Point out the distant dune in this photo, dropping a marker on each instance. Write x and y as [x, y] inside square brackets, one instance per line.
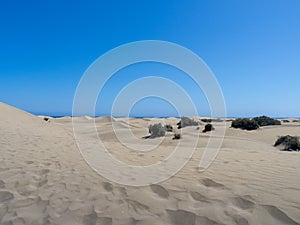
[45, 180]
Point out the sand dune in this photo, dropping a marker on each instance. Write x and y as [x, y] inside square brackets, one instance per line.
[104, 119]
[45, 180]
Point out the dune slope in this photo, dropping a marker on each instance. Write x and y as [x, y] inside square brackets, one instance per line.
[44, 179]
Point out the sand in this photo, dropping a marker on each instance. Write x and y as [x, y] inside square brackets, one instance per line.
[45, 180]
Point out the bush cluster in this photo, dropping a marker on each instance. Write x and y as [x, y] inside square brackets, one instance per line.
[176, 136]
[157, 130]
[185, 121]
[212, 120]
[206, 120]
[208, 127]
[266, 121]
[245, 124]
[168, 128]
[289, 143]
[255, 123]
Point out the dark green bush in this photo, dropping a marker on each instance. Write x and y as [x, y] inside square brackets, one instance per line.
[157, 130]
[168, 128]
[212, 120]
[208, 127]
[266, 121]
[185, 121]
[253, 124]
[218, 120]
[285, 121]
[177, 136]
[289, 143]
[206, 120]
[245, 124]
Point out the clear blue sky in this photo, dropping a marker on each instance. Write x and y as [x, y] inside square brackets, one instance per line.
[253, 48]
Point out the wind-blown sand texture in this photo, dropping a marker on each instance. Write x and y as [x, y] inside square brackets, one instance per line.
[44, 179]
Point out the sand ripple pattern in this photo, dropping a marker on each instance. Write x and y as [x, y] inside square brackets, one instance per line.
[44, 180]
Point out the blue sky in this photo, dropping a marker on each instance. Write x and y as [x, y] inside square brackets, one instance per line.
[252, 47]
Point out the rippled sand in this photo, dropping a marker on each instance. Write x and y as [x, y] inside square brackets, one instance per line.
[44, 179]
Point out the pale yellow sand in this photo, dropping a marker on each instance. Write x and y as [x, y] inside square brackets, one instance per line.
[44, 179]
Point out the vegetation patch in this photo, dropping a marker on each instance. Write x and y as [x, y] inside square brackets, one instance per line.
[288, 143]
[177, 136]
[168, 128]
[212, 120]
[245, 124]
[157, 130]
[255, 123]
[266, 121]
[185, 121]
[206, 120]
[208, 127]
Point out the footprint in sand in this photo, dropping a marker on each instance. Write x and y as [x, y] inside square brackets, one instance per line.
[26, 190]
[279, 215]
[122, 191]
[181, 217]
[92, 219]
[6, 196]
[2, 184]
[26, 202]
[240, 220]
[104, 221]
[242, 203]
[198, 197]
[42, 182]
[159, 190]
[132, 221]
[47, 164]
[205, 220]
[108, 186]
[17, 221]
[212, 184]
[44, 171]
[138, 207]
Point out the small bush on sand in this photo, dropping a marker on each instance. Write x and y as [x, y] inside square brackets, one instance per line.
[206, 120]
[185, 121]
[212, 120]
[46, 119]
[288, 143]
[177, 136]
[208, 127]
[218, 120]
[157, 130]
[285, 121]
[266, 121]
[168, 128]
[245, 124]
